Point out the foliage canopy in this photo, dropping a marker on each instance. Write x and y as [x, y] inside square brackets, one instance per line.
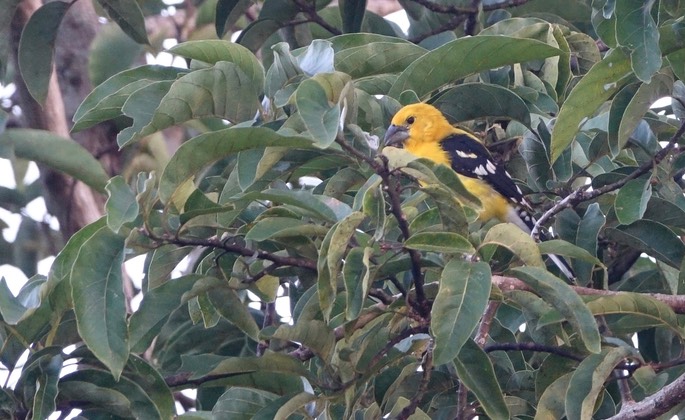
[402, 303]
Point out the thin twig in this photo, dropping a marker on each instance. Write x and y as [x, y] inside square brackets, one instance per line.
[392, 189]
[311, 12]
[528, 346]
[581, 195]
[486, 322]
[675, 302]
[236, 249]
[423, 385]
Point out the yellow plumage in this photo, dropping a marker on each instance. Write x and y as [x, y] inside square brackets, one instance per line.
[425, 132]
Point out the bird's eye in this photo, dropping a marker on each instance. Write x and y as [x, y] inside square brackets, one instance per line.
[410, 120]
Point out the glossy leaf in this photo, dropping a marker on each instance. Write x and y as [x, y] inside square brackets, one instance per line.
[154, 310]
[208, 148]
[128, 16]
[459, 304]
[476, 100]
[632, 199]
[636, 30]
[652, 238]
[476, 372]
[376, 58]
[446, 63]
[320, 118]
[97, 291]
[560, 295]
[64, 155]
[91, 109]
[121, 205]
[587, 382]
[447, 242]
[36, 47]
[223, 90]
[517, 241]
[602, 81]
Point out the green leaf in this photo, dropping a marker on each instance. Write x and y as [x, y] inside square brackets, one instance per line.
[46, 386]
[10, 308]
[121, 205]
[517, 241]
[36, 47]
[638, 104]
[458, 307]
[650, 311]
[470, 101]
[567, 249]
[154, 311]
[602, 81]
[195, 154]
[241, 403]
[62, 154]
[476, 372]
[357, 279]
[141, 372]
[140, 106]
[352, 12]
[227, 14]
[269, 362]
[319, 117]
[272, 226]
[223, 90]
[551, 403]
[562, 297]
[333, 249]
[376, 58]
[446, 63]
[636, 30]
[289, 409]
[313, 334]
[588, 381]
[163, 262]
[632, 199]
[652, 238]
[314, 205]
[120, 397]
[128, 16]
[229, 306]
[447, 242]
[99, 300]
[211, 51]
[90, 111]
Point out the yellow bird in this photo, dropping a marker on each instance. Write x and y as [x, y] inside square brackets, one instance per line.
[425, 132]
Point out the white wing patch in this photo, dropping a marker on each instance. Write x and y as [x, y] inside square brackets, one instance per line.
[480, 170]
[465, 155]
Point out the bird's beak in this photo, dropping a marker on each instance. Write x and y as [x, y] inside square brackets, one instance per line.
[396, 135]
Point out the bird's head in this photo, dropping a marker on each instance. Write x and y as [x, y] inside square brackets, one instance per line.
[418, 122]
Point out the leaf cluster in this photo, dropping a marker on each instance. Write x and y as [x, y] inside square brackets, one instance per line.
[294, 268]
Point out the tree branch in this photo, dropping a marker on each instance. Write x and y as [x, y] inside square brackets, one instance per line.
[529, 346]
[581, 195]
[314, 17]
[656, 404]
[675, 302]
[236, 249]
[392, 189]
[423, 385]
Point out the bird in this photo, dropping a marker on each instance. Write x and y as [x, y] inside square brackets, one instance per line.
[425, 132]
